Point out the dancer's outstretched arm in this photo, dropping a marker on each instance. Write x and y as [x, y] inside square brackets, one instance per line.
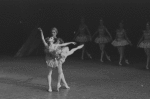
[140, 40]
[88, 31]
[43, 37]
[95, 33]
[65, 44]
[108, 33]
[127, 37]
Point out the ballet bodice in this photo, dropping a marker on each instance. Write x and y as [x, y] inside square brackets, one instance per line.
[120, 33]
[101, 31]
[50, 52]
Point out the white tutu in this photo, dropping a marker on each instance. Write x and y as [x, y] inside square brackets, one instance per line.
[120, 42]
[82, 38]
[102, 40]
[145, 44]
[52, 62]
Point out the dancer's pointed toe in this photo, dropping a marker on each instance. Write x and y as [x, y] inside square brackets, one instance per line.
[58, 87]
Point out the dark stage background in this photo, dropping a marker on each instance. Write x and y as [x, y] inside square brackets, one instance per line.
[19, 17]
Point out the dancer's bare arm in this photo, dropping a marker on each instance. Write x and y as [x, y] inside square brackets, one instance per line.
[108, 33]
[65, 44]
[127, 38]
[95, 33]
[140, 40]
[88, 31]
[43, 37]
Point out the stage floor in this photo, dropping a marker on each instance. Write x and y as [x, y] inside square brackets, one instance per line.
[26, 78]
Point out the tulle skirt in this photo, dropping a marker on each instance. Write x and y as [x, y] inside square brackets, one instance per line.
[120, 42]
[64, 54]
[145, 44]
[52, 62]
[82, 38]
[102, 40]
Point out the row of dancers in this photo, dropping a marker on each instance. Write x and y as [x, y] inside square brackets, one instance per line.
[57, 51]
[121, 40]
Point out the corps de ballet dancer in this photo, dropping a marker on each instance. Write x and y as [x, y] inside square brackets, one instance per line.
[103, 38]
[83, 38]
[55, 58]
[120, 42]
[145, 43]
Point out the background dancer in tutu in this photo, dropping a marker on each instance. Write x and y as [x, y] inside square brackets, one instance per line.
[146, 43]
[56, 59]
[82, 37]
[120, 42]
[103, 38]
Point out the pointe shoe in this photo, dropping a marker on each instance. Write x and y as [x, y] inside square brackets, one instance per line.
[89, 56]
[81, 46]
[147, 67]
[58, 86]
[127, 62]
[101, 60]
[120, 63]
[108, 57]
[67, 87]
[49, 90]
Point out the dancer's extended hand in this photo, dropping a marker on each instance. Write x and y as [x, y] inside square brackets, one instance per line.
[74, 43]
[40, 29]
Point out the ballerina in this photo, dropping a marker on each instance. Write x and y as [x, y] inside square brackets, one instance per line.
[146, 43]
[55, 59]
[83, 38]
[103, 39]
[120, 42]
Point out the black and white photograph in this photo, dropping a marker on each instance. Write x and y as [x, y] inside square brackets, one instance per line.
[74, 49]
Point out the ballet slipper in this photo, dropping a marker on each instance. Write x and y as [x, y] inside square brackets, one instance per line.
[108, 57]
[89, 56]
[58, 86]
[81, 46]
[49, 90]
[127, 62]
[147, 67]
[82, 58]
[66, 86]
[101, 60]
[120, 63]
